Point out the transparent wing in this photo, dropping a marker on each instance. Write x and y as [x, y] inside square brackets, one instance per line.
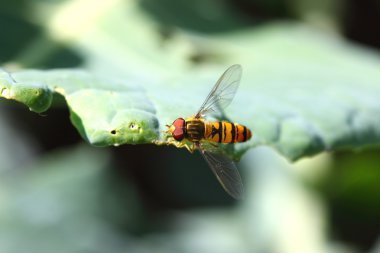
[223, 91]
[226, 172]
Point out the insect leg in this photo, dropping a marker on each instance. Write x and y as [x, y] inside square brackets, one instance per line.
[193, 147]
[190, 148]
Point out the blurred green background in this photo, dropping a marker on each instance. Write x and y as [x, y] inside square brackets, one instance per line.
[59, 194]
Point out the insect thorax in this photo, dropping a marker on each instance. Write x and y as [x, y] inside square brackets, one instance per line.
[195, 129]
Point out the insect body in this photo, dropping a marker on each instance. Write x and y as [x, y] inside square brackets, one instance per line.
[226, 132]
[196, 129]
[199, 131]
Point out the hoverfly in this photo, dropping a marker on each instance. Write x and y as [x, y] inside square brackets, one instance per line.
[199, 132]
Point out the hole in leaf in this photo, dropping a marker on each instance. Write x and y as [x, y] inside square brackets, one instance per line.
[4, 92]
[113, 132]
[133, 126]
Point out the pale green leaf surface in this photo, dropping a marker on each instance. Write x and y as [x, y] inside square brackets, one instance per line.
[301, 93]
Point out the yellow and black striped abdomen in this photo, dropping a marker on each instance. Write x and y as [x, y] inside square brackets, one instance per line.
[226, 132]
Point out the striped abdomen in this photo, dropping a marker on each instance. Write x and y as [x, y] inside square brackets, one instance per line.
[226, 132]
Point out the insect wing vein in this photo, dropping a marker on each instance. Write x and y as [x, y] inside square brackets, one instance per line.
[226, 172]
[223, 91]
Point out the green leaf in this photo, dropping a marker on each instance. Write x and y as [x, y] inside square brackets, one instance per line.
[105, 111]
[36, 95]
[301, 93]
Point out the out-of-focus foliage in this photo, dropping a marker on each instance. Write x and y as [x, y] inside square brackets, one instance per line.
[354, 195]
[305, 89]
[60, 199]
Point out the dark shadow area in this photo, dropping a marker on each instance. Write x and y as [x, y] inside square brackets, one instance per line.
[170, 178]
[52, 128]
[361, 22]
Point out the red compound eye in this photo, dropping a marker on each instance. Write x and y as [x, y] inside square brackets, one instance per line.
[179, 131]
